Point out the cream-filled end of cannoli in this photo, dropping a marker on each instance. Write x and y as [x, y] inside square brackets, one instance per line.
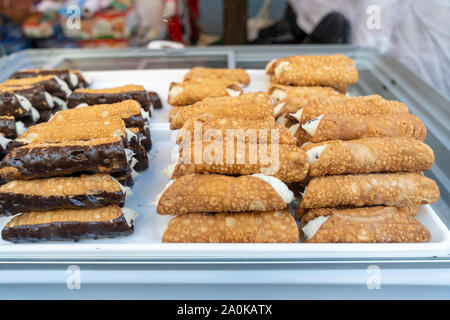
[282, 120]
[168, 171]
[284, 65]
[145, 115]
[298, 115]
[278, 108]
[279, 186]
[4, 141]
[63, 86]
[49, 99]
[73, 79]
[130, 216]
[26, 105]
[159, 195]
[279, 95]
[20, 128]
[81, 105]
[314, 153]
[174, 92]
[233, 93]
[63, 105]
[311, 228]
[294, 128]
[125, 190]
[311, 126]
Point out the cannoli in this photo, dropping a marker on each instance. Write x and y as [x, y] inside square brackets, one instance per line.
[246, 111]
[369, 225]
[8, 127]
[189, 92]
[107, 222]
[125, 178]
[241, 227]
[389, 189]
[39, 98]
[219, 193]
[285, 162]
[83, 80]
[332, 126]
[52, 84]
[368, 155]
[280, 92]
[336, 71]
[239, 75]
[155, 100]
[42, 160]
[86, 191]
[71, 78]
[254, 131]
[16, 105]
[110, 95]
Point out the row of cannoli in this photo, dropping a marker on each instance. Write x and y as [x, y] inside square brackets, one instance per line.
[365, 154]
[69, 177]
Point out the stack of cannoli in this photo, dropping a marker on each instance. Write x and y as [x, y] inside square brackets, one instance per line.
[68, 178]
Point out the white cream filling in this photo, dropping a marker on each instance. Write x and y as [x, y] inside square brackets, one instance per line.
[73, 79]
[49, 99]
[311, 126]
[130, 215]
[134, 174]
[283, 65]
[63, 86]
[4, 141]
[125, 190]
[294, 128]
[129, 153]
[314, 153]
[304, 192]
[20, 128]
[233, 93]
[311, 228]
[159, 195]
[81, 105]
[133, 162]
[61, 103]
[168, 171]
[174, 92]
[130, 135]
[282, 120]
[279, 95]
[280, 187]
[86, 78]
[145, 115]
[298, 115]
[278, 108]
[270, 64]
[24, 102]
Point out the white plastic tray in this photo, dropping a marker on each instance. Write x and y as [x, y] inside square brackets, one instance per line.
[146, 244]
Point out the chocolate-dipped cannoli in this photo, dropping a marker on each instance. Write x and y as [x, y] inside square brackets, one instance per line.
[52, 84]
[189, 92]
[66, 224]
[66, 75]
[332, 126]
[83, 80]
[250, 111]
[336, 71]
[280, 92]
[390, 189]
[86, 191]
[110, 95]
[42, 160]
[241, 227]
[254, 131]
[8, 127]
[142, 138]
[39, 98]
[16, 105]
[155, 100]
[219, 193]
[368, 225]
[285, 162]
[125, 178]
[239, 75]
[368, 155]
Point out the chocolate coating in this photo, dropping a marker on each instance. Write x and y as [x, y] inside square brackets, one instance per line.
[155, 100]
[77, 98]
[8, 127]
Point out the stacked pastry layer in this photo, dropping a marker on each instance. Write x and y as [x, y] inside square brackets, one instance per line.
[68, 178]
[366, 154]
[228, 183]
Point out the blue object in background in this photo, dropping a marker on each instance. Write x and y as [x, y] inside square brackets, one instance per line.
[12, 37]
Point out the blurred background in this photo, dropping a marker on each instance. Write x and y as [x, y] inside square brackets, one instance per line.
[416, 32]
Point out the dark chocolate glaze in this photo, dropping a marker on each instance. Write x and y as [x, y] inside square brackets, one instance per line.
[106, 98]
[155, 100]
[12, 203]
[125, 178]
[10, 106]
[70, 230]
[60, 160]
[8, 127]
[36, 95]
[51, 86]
[61, 73]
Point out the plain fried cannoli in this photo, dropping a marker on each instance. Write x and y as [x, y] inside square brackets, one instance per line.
[255, 131]
[239, 75]
[285, 162]
[235, 112]
[280, 92]
[189, 92]
[219, 193]
[52, 84]
[390, 189]
[109, 96]
[241, 227]
[86, 191]
[368, 155]
[369, 225]
[70, 77]
[336, 71]
[66, 224]
[332, 126]
[42, 160]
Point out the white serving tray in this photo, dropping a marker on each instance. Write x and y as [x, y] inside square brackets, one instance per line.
[145, 243]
